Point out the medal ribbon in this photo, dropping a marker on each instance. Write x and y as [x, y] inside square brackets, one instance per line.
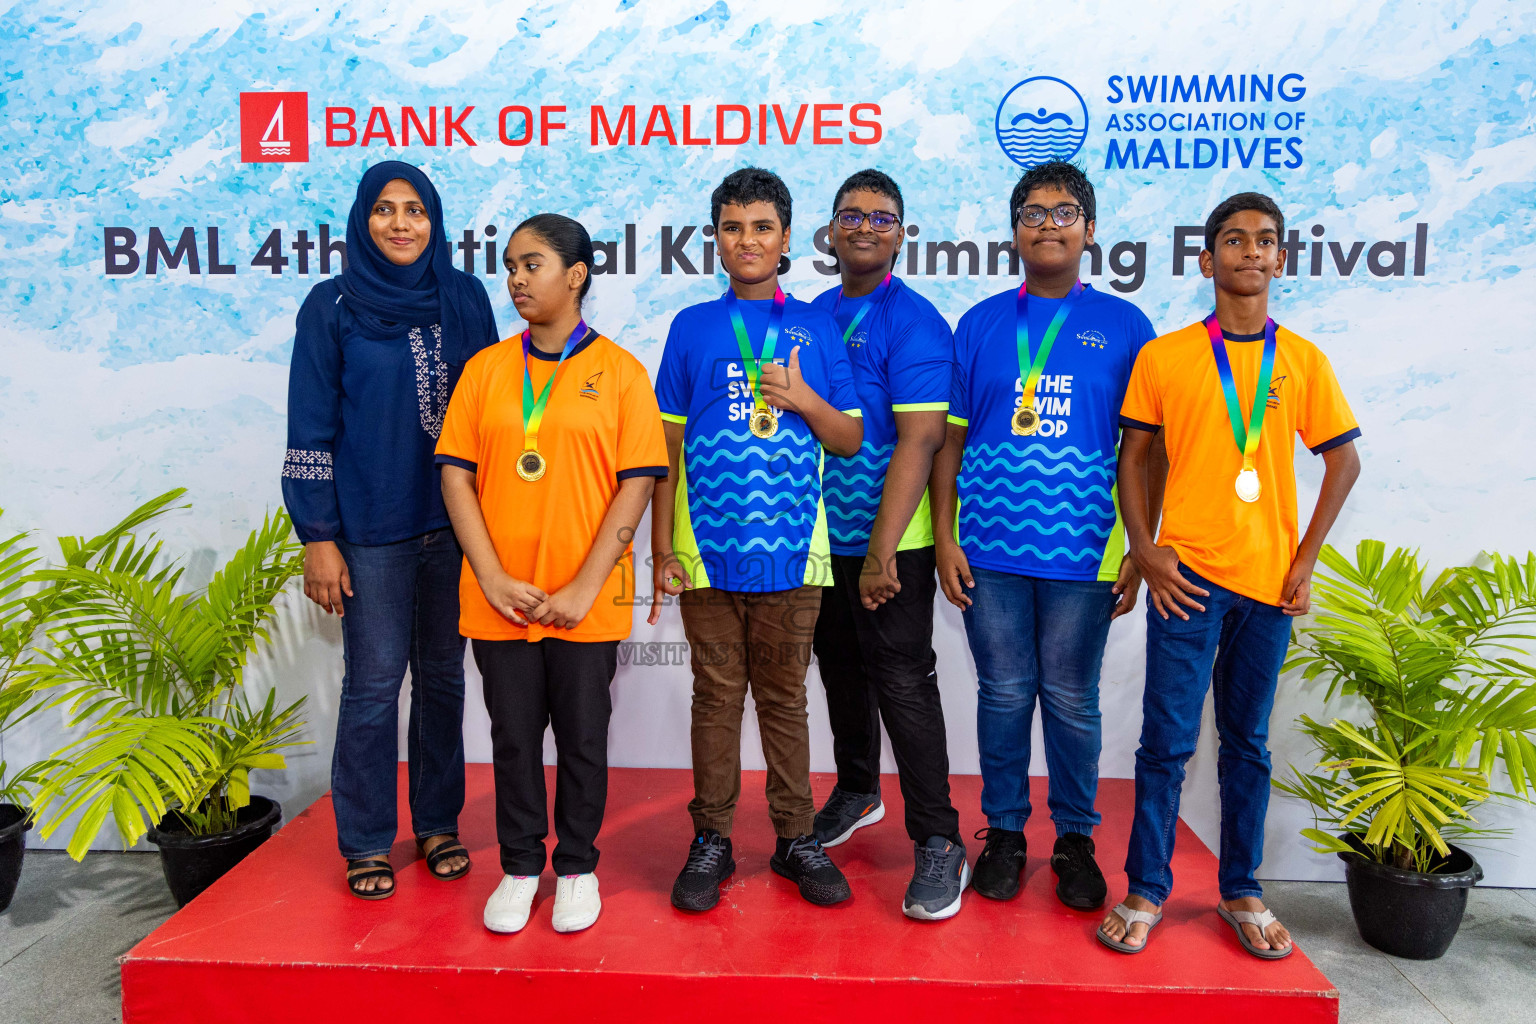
[1030, 369]
[1247, 440]
[858, 317]
[751, 364]
[533, 409]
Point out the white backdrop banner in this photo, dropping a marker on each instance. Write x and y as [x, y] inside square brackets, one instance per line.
[178, 174]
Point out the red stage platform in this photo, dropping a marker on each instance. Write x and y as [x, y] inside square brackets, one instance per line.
[280, 939]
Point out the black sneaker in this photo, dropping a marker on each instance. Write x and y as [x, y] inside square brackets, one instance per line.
[1079, 882]
[941, 876]
[804, 862]
[709, 864]
[846, 812]
[1000, 865]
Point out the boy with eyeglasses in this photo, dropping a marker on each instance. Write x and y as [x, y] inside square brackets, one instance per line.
[1226, 574]
[753, 387]
[1035, 559]
[874, 637]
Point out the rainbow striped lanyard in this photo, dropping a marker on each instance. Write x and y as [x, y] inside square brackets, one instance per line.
[1247, 440]
[533, 408]
[869, 304]
[752, 364]
[1030, 369]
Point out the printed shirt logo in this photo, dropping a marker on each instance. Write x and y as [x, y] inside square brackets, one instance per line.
[796, 336]
[589, 389]
[274, 127]
[1041, 119]
[1092, 338]
[1273, 399]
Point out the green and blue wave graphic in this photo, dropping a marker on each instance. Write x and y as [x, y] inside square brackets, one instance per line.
[1034, 500]
[853, 487]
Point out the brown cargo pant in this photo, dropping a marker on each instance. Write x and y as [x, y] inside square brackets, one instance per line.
[738, 640]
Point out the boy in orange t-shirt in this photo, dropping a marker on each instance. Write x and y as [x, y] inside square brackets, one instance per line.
[1226, 574]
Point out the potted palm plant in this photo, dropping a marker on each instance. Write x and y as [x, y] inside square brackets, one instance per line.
[156, 675]
[1441, 673]
[27, 607]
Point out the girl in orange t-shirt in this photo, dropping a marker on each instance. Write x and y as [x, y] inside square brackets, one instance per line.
[549, 452]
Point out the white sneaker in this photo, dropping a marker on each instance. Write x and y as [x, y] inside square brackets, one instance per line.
[576, 902]
[509, 906]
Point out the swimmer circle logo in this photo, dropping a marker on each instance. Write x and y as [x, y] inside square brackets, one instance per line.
[1041, 119]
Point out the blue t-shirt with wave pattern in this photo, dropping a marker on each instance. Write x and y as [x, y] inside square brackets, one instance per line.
[902, 354]
[749, 514]
[1044, 505]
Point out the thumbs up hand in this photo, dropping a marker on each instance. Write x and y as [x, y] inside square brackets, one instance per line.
[784, 387]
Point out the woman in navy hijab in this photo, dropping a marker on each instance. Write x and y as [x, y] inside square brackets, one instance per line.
[375, 358]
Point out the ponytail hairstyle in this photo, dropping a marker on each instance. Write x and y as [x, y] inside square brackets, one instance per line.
[568, 239]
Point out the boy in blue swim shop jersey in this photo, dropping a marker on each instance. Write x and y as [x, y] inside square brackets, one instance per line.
[752, 387]
[874, 638]
[1035, 559]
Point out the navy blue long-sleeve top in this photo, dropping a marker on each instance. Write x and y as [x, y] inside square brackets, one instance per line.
[366, 399]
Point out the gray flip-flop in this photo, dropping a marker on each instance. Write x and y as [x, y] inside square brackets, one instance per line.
[1130, 917]
[1261, 921]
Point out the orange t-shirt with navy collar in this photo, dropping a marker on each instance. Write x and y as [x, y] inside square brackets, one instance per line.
[601, 426]
[1245, 547]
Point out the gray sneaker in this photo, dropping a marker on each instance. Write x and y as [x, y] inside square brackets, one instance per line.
[845, 813]
[941, 876]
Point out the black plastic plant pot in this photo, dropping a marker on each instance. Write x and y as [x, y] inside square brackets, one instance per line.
[14, 822]
[1409, 913]
[193, 863]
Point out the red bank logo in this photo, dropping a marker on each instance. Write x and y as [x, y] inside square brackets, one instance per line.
[274, 127]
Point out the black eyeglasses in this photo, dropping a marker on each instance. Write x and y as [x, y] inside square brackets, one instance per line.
[849, 220]
[1033, 216]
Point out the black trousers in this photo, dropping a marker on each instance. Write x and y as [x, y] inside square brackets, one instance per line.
[880, 665]
[530, 685]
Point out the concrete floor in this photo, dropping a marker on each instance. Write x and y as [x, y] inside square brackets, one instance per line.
[63, 933]
[61, 937]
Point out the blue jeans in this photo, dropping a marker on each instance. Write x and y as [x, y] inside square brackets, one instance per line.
[1037, 638]
[1237, 646]
[404, 612]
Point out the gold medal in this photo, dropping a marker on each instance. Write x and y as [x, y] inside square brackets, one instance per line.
[764, 422]
[531, 465]
[1247, 485]
[1025, 420]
